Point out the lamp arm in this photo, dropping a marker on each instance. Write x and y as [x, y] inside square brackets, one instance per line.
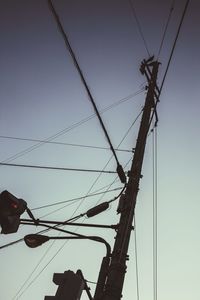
[76, 236]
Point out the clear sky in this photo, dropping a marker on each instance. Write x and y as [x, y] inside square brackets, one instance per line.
[41, 96]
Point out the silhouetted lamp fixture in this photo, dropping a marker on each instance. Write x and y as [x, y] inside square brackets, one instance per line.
[35, 240]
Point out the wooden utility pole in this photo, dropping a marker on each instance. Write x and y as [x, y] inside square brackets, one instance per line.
[114, 279]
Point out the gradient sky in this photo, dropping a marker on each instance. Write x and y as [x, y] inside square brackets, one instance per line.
[41, 95]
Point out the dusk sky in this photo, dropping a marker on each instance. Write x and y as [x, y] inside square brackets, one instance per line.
[43, 98]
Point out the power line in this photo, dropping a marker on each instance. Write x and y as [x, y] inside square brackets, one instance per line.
[136, 260]
[155, 209]
[58, 209]
[67, 43]
[59, 143]
[166, 27]
[55, 168]
[48, 140]
[75, 199]
[174, 44]
[139, 26]
[11, 243]
[71, 127]
[52, 258]
[18, 294]
[35, 268]
[170, 57]
[72, 202]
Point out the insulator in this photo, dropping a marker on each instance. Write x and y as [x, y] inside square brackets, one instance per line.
[97, 209]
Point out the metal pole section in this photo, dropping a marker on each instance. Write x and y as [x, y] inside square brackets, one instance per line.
[117, 268]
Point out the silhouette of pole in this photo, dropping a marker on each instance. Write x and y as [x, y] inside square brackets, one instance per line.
[114, 278]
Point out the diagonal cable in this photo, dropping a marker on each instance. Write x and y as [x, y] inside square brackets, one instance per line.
[69, 128]
[139, 26]
[170, 57]
[174, 44]
[67, 43]
[55, 168]
[74, 199]
[166, 27]
[58, 143]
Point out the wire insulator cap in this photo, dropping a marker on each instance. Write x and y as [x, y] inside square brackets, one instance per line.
[97, 209]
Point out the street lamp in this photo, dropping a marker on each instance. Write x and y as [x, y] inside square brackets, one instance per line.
[35, 240]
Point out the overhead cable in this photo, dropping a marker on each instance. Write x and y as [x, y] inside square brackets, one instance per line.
[170, 57]
[55, 168]
[74, 199]
[71, 203]
[21, 291]
[174, 44]
[69, 128]
[166, 27]
[136, 259]
[11, 243]
[120, 171]
[60, 208]
[59, 143]
[139, 26]
[35, 268]
[155, 213]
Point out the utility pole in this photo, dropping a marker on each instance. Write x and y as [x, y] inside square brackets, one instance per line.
[113, 284]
